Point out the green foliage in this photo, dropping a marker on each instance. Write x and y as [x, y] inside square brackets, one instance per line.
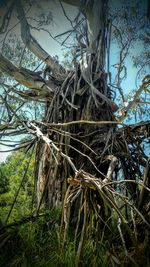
[37, 244]
[45, 18]
[11, 174]
[4, 182]
[15, 51]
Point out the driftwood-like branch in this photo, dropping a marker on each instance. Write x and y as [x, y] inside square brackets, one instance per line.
[32, 44]
[51, 145]
[26, 77]
[9, 126]
[95, 91]
[85, 122]
[87, 180]
[112, 165]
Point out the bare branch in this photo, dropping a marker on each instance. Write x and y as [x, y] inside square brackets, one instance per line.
[6, 18]
[111, 168]
[32, 44]
[26, 77]
[81, 122]
[144, 86]
[51, 145]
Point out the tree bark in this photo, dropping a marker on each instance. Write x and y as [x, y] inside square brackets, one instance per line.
[91, 105]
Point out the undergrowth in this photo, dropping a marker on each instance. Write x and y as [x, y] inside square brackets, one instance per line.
[38, 244]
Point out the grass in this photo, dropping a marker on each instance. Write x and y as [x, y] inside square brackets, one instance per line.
[37, 244]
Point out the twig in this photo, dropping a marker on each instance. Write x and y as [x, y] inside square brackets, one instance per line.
[85, 122]
[121, 235]
[80, 246]
[50, 143]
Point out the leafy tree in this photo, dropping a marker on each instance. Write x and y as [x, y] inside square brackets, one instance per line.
[17, 173]
[87, 160]
[4, 183]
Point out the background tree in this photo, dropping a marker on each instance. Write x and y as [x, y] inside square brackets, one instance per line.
[17, 186]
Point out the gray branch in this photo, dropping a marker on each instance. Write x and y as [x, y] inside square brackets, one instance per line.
[26, 77]
[32, 44]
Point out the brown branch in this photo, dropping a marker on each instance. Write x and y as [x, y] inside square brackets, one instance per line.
[89, 181]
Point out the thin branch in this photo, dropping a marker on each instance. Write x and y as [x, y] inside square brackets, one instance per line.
[125, 111]
[85, 122]
[50, 143]
[6, 18]
[111, 168]
[65, 14]
[33, 45]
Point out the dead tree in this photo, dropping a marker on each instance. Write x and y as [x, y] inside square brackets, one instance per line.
[81, 153]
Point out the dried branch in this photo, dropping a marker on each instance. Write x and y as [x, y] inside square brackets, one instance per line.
[32, 44]
[26, 77]
[84, 122]
[80, 246]
[122, 238]
[111, 168]
[87, 77]
[89, 181]
[51, 145]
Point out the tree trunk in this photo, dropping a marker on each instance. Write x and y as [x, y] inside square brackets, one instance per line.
[83, 96]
